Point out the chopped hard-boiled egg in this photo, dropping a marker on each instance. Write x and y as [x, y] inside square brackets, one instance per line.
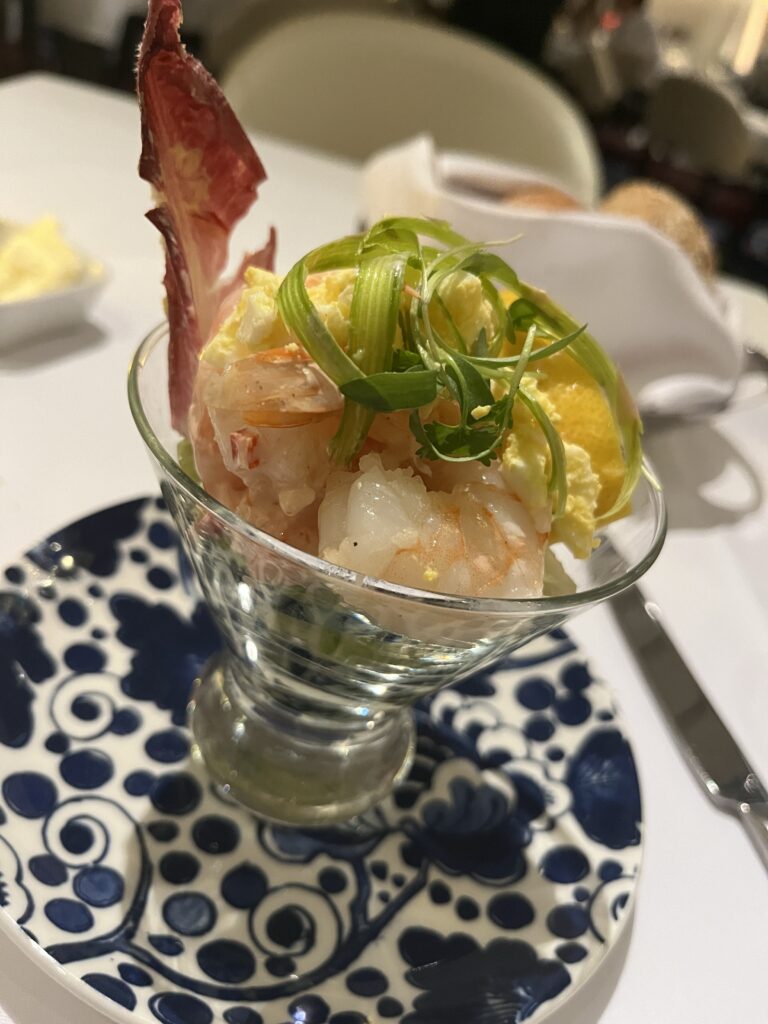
[461, 299]
[252, 325]
[525, 468]
[525, 461]
[255, 322]
[585, 420]
[331, 294]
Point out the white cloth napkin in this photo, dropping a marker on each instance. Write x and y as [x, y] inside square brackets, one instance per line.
[674, 338]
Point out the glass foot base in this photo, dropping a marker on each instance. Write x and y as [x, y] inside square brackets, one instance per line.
[294, 767]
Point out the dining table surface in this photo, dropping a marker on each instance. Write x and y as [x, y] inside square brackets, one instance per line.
[697, 946]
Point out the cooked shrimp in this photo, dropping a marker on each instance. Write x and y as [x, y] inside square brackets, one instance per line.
[476, 540]
[260, 431]
[391, 437]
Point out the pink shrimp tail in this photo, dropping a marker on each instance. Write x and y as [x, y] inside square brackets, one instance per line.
[205, 174]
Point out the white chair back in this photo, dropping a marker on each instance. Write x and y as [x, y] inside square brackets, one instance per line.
[704, 28]
[353, 83]
[700, 122]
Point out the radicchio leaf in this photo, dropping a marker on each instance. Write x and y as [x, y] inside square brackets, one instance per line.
[205, 174]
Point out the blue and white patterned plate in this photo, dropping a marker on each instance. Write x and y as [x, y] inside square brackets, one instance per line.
[489, 888]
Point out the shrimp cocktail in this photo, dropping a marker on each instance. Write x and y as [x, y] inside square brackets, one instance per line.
[389, 467]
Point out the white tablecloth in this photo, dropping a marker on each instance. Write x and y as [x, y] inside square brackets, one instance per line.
[698, 947]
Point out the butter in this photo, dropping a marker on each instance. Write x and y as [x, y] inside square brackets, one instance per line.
[35, 259]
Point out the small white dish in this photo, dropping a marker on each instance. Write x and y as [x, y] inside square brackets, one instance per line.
[51, 311]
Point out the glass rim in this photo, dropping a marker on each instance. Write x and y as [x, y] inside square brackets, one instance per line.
[501, 605]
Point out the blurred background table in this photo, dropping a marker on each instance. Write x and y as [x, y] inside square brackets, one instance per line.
[698, 946]
[611, 55]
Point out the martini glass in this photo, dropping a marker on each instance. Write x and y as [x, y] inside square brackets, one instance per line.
[305, 715]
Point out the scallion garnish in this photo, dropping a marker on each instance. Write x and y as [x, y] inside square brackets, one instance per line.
[372, 328]
[399, 357]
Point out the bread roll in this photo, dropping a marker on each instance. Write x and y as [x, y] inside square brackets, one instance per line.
[665, 211]
[541, 197]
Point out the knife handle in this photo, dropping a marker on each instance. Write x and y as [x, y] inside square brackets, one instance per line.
[755, 821]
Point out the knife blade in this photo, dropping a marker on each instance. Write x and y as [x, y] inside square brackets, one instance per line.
[712, 753]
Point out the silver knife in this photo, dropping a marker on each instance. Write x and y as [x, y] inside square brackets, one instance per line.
[711, 752]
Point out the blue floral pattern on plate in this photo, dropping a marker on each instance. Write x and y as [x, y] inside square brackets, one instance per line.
[487, 888]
